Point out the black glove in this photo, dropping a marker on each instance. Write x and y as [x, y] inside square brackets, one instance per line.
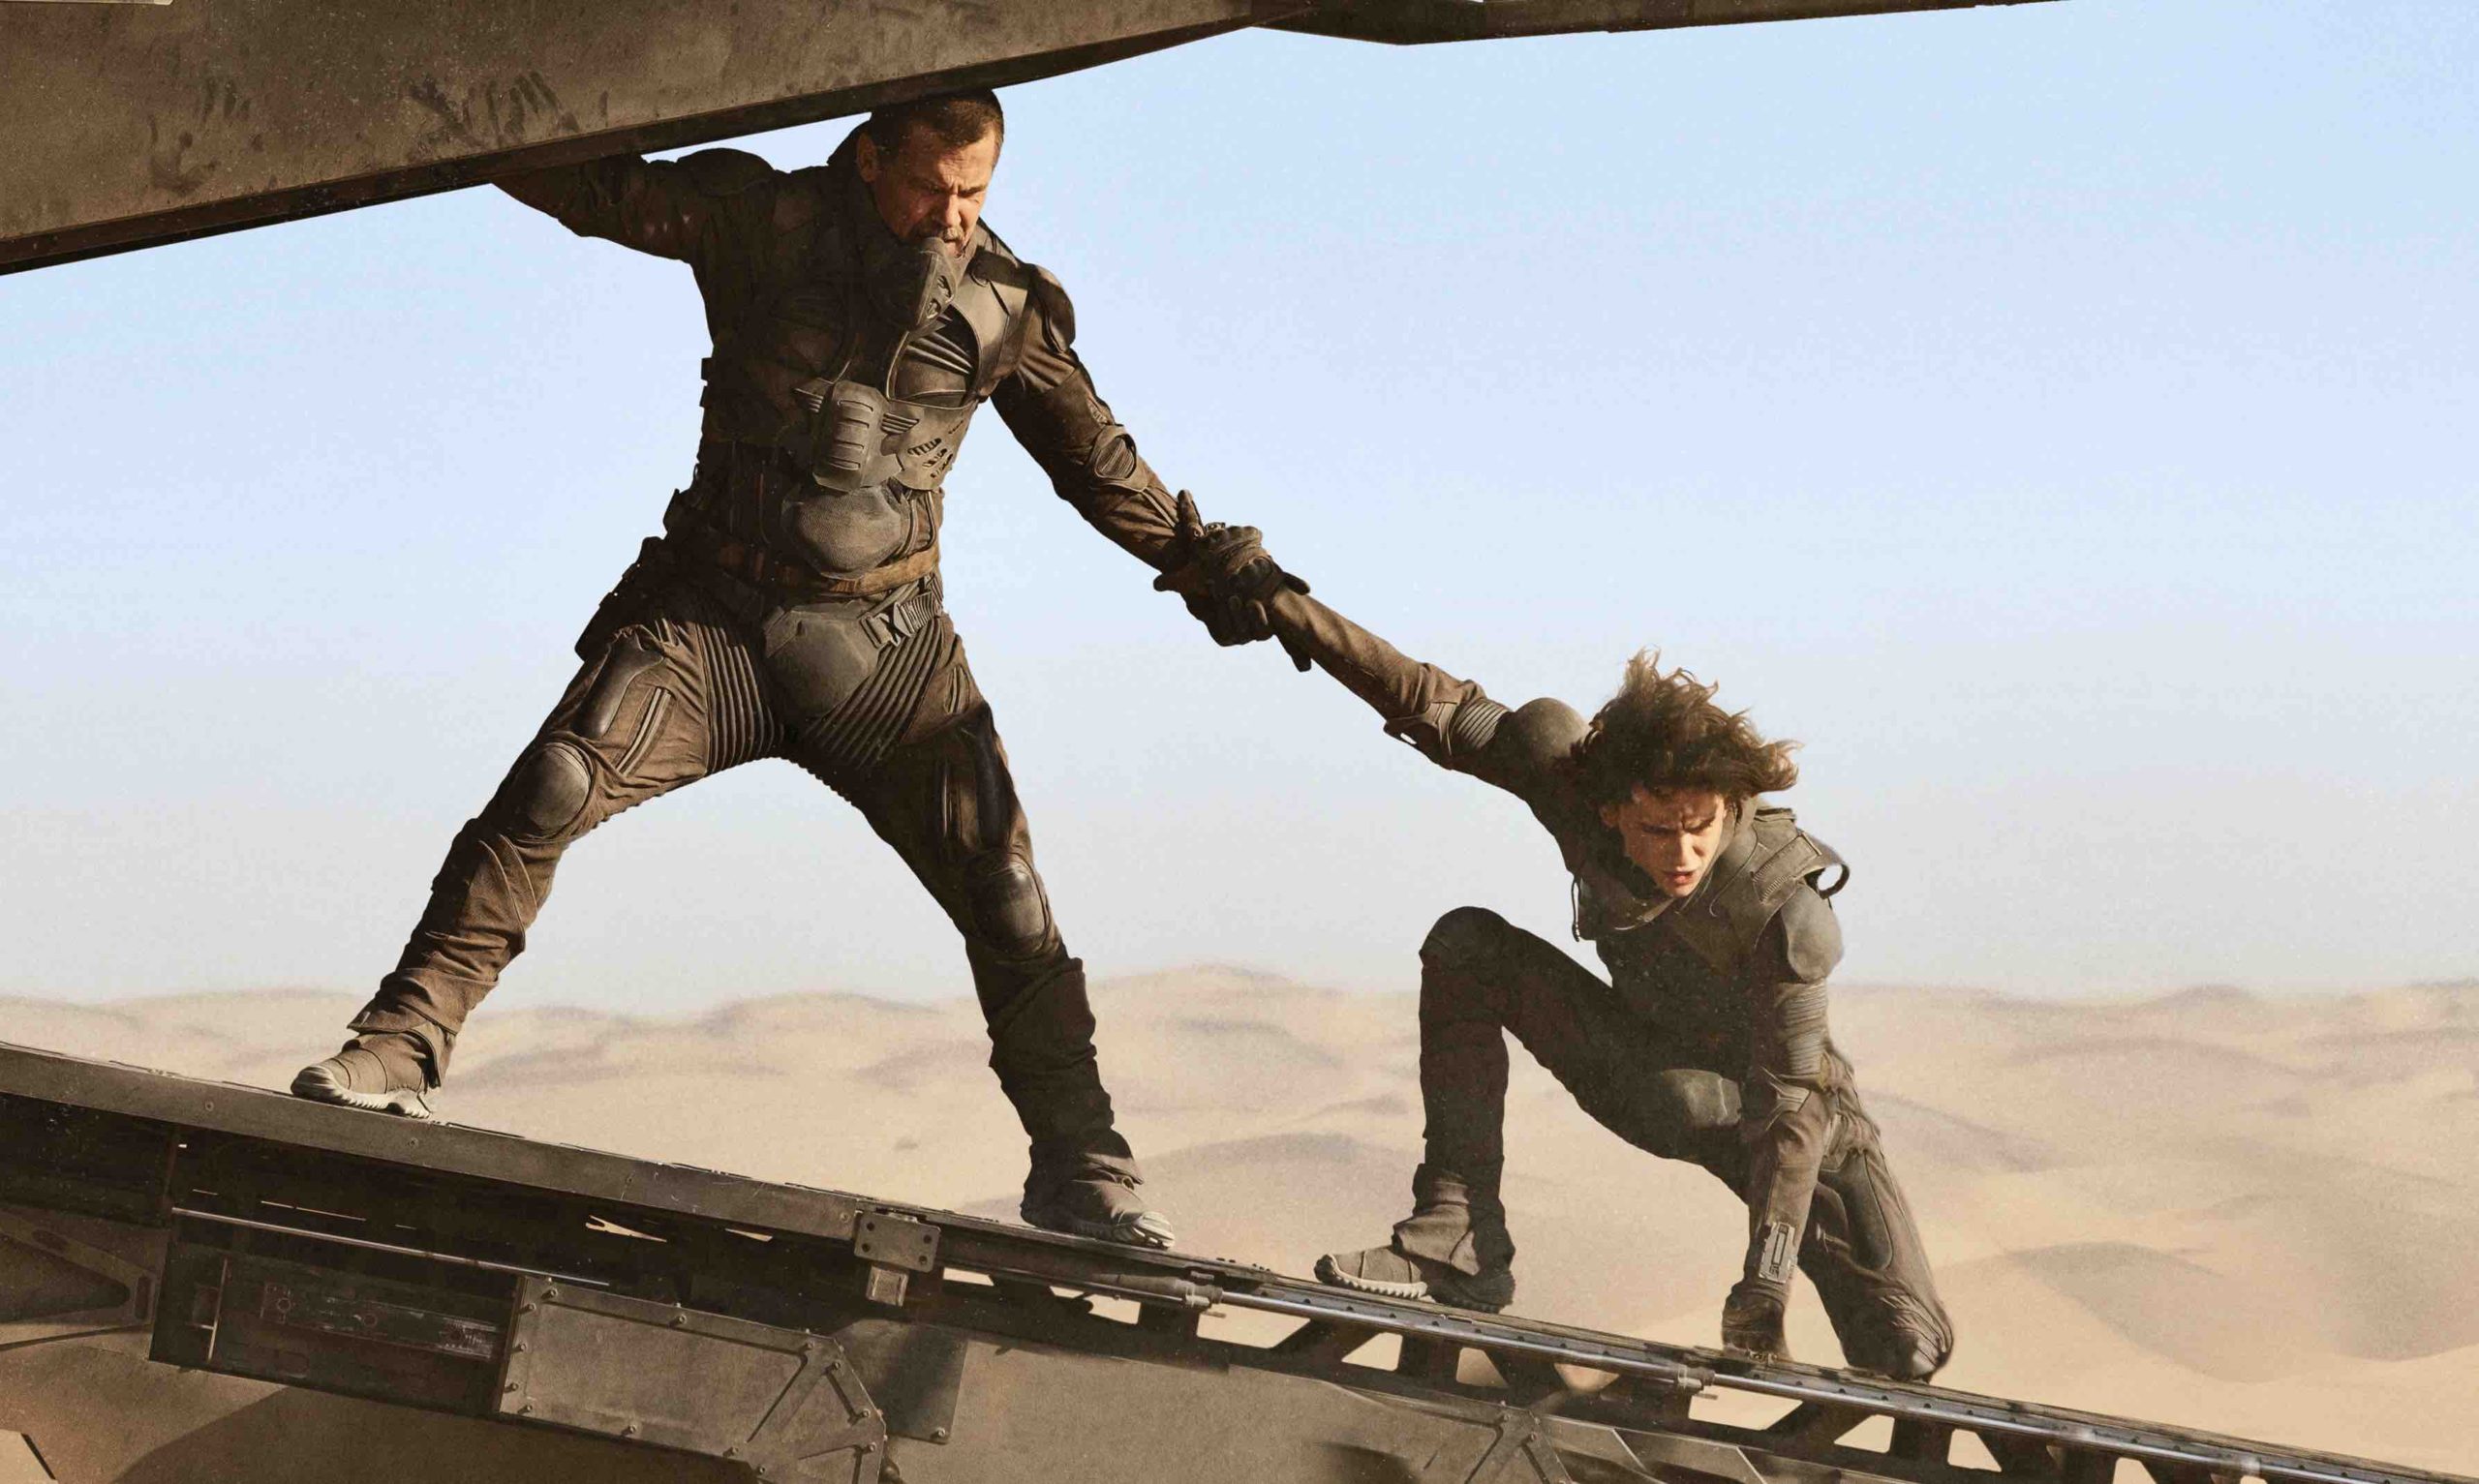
[1226, 578]
[1752, 1319]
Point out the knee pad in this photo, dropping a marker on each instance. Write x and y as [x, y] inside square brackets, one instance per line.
[1007, 906]
[1462, 937]
[546, 792]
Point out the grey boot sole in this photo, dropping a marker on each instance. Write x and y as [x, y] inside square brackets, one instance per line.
[1329, 1273]
[318, 1084]
[1417, 1289]
[1147, 1230]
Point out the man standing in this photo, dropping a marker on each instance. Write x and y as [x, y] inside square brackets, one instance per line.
[860, 314]
[1709, 1041]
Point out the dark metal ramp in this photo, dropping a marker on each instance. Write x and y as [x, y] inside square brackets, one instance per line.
[130, 125]
[515, 1310]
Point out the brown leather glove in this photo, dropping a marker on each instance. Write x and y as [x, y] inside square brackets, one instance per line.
[1752, 1319]
[1227, 579]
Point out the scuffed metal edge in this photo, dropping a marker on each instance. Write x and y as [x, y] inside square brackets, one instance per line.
[121, 235]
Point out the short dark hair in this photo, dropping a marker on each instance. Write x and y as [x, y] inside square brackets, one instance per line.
[1663, 731]
[954, 119]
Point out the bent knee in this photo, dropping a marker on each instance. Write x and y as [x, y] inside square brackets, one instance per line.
[1679, 1112]
[546, 794]
[1696, 1102]
[1463, 937]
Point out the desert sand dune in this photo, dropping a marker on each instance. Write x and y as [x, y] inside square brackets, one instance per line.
[2229, 1212]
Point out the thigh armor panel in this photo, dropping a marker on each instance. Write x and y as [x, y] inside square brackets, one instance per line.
[850, 678]
[978, 811]
[817, 654]
[628, 658]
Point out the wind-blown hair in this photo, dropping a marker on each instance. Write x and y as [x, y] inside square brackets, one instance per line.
[953, 119]
[1661, 730]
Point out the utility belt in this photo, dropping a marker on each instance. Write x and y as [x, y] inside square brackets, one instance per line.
[788, 581]
[735, 484]
[896, 615]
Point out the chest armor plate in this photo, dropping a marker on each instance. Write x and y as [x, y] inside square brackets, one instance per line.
[877, 447]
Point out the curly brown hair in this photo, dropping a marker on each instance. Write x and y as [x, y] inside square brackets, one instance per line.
[1661, 730]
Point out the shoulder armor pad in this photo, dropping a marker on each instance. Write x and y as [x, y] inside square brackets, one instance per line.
[997, 265]
[725, 171]
[1811, 936]
[1058, 312]
[1542, 732]
[1781, 864]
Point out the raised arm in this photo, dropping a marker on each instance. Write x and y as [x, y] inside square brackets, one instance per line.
[671, 208]
[1785, 1116]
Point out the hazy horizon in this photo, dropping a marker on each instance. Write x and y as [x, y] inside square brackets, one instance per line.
[2057, 416]
[1843, 985]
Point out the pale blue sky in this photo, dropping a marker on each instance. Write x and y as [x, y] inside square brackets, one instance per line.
[2060, 416]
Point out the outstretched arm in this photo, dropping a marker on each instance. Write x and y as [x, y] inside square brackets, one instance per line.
[1050, 403]
[1786, 1119]
[1452, 721]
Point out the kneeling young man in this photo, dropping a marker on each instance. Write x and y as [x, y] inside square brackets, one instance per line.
[1707, 1044]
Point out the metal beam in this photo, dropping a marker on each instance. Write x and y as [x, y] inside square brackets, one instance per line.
[130, 125]
[133, 124]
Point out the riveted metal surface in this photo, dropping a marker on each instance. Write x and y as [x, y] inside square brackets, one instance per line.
[896, 1241]
[676, 1377]
[915, 1372]
[242, 1315]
